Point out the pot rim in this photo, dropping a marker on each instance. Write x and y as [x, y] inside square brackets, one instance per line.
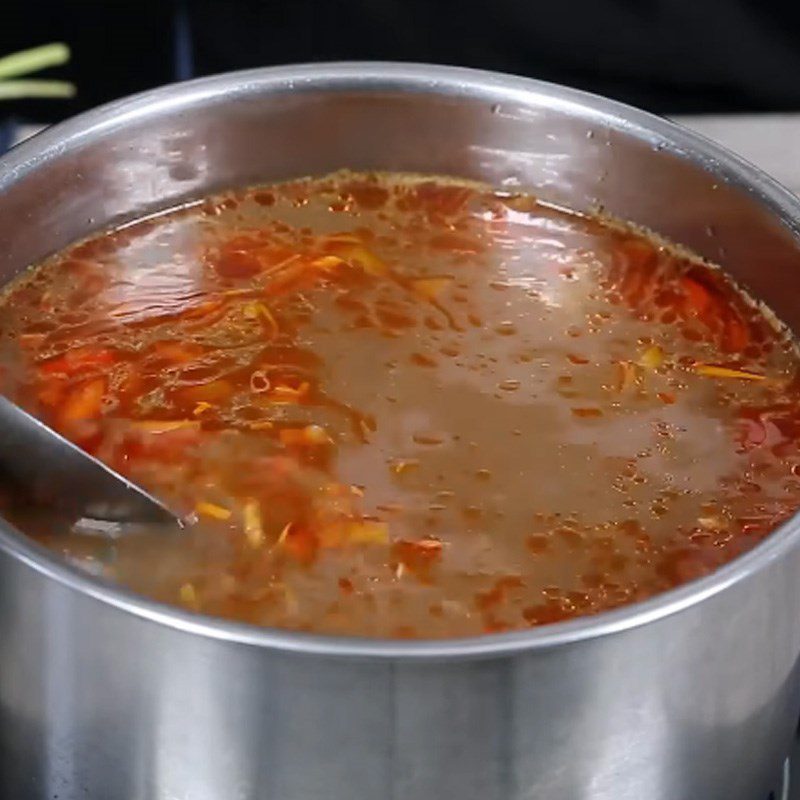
[432, 79]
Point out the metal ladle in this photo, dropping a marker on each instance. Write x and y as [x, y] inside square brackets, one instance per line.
[60, 474]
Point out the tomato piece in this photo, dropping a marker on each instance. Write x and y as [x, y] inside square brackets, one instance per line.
[51, 392]
[237, 264]
[309, 436]
[696, 297]
[84, 402]
[81, 359]
[214, 392]
[301, 544]
[246, 256]
[736, 335]
[752, 433]
[636, 271]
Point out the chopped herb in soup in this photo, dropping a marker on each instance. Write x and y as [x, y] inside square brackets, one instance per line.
[407, 407]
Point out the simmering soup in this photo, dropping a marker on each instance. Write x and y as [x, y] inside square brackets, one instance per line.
[406, 407]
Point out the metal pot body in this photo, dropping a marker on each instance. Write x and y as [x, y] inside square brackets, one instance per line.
[691, 696]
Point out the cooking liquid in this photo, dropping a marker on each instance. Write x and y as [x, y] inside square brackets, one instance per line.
[407, 407]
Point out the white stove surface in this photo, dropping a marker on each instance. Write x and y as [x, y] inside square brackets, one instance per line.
[770, 141]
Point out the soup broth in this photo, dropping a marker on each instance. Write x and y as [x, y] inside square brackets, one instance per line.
[396, 406]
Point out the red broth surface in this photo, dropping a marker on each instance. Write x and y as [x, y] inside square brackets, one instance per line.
[407, 407]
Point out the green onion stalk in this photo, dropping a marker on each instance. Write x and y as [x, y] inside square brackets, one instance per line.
[14, 69]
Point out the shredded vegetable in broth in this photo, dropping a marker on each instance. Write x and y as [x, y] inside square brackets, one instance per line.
[407, 407]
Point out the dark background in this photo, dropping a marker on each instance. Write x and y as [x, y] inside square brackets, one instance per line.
[669, 56]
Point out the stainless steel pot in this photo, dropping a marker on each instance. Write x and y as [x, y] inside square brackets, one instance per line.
[690, 696]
